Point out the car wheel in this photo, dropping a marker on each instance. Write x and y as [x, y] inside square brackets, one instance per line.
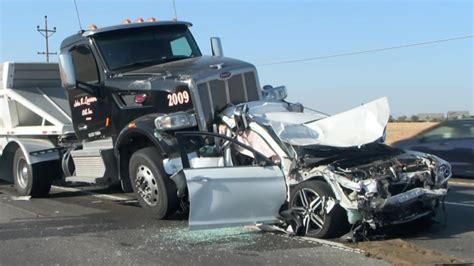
[155, 191]
[27, 181]
[308, 199]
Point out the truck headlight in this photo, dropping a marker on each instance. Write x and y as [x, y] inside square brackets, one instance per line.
[270, 93]
[175, 121]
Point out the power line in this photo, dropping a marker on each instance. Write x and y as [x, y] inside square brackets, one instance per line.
[367, 51]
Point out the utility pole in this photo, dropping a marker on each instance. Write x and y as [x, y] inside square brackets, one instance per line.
[46, 34]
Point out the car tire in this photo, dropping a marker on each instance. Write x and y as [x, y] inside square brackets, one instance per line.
[29, 181]
[155, 191]
[321, 224]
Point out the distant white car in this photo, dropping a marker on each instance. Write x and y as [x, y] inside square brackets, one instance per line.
[276, 163]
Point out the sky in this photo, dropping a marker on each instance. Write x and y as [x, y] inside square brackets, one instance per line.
[429, 78]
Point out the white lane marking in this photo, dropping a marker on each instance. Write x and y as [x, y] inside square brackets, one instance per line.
[459, 204]
[100, 196]
[460, 183]
[322, 242]
[332, 244]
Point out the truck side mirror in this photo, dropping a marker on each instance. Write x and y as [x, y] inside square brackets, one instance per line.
[66, 70]
[216, 47]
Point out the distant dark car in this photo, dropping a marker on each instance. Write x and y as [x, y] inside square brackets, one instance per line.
[451, 140]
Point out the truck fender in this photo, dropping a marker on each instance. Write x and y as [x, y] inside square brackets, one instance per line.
[139, 134]
[35, 150]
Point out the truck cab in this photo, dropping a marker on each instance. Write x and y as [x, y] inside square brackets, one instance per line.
[130, 87]
[117, 74]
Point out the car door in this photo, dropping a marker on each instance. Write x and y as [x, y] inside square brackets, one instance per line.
[229, 191]
[461, 152]
[88, 109]
[453, 141]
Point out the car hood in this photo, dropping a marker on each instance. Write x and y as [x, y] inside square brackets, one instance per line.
[359, 126]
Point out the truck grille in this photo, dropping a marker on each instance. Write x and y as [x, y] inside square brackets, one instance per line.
[216, 94]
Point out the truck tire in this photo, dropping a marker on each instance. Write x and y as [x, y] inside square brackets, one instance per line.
[29, 182]
[316, 222]
[155, 191]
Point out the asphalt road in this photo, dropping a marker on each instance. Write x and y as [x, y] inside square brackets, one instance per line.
[91, 226]
[455, 235]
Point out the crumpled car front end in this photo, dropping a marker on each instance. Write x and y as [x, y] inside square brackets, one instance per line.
[383, 186]
[374, 184]
[322, 172]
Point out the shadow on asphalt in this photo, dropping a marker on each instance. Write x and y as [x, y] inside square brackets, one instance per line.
[454, 221]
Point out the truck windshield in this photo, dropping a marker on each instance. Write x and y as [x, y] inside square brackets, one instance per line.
[130, 49]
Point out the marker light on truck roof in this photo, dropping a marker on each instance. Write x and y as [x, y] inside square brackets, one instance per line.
[126, 21]
[139, 20]
[152, 19]
[175, 121]
[92, 27]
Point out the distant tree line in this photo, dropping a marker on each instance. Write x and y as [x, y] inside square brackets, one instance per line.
[415, 118]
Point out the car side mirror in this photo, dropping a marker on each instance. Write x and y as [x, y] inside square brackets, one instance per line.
[66, 70]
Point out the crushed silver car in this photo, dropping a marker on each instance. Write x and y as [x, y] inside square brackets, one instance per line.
[278, 163]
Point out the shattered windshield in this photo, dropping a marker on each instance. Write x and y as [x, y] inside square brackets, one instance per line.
[131, 49]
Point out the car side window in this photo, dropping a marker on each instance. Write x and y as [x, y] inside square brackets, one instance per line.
[443, 132]
[465, 130]
[85, 65]
[455, 131]
[203, 150]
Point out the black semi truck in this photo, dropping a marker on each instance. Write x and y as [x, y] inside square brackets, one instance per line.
[110, 118]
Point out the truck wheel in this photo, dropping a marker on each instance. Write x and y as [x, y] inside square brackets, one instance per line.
[29, 182]
[307, 199]
[154, 189]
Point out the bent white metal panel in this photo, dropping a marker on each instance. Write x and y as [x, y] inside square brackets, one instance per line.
[234, 196]
[356, 127]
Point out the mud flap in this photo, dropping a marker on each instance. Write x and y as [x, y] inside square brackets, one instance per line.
[234, 196]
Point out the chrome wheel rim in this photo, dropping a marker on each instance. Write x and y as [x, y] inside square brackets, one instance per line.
[22, 173]
[146, 185]
[310, 205]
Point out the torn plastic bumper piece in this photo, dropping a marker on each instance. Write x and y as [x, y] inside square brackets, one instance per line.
[410, 196]
[407, 206]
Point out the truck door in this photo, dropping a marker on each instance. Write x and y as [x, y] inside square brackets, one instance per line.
[88, 109]
[225, 187]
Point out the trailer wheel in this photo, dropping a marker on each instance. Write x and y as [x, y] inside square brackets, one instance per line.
[307, 199]
[27, 181]
[155, 191]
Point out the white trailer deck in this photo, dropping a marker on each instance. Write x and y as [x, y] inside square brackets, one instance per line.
[32, 101]
[33, 108]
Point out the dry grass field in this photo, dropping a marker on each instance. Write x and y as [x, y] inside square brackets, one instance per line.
[404, 130]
